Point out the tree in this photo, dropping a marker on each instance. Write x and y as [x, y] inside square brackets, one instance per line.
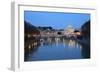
[30, 29]
[85, 29]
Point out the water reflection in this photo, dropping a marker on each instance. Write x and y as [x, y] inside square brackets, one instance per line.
[55, 49]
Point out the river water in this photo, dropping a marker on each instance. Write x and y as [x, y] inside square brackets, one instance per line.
[57, 49]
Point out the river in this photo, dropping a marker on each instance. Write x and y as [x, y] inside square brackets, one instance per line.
[56, 49]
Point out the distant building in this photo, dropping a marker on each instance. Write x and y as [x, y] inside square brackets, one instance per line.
[69, 30]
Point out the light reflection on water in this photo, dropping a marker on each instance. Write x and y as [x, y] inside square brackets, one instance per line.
[56, 49]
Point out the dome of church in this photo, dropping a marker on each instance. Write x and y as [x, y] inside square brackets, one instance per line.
[69, 29]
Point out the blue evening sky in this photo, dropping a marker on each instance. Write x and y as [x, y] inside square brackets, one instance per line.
[57, 20]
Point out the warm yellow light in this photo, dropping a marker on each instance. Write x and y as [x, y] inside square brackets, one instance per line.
[78, 33]
[29, 35]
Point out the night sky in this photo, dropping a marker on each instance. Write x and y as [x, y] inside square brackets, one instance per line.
[57, 20]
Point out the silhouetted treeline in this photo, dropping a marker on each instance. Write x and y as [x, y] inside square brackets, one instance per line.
[30, 29]
[85, 29]
[45, 28]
